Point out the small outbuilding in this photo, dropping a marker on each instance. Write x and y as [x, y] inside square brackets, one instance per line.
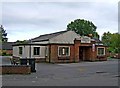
[6, 48]
[63, 46]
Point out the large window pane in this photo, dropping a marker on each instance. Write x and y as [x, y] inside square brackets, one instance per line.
[64, 51]
[20, 50]
[36, 50]
[101, 51]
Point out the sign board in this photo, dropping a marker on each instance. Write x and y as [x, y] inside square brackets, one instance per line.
[85, 39]
[93, 47]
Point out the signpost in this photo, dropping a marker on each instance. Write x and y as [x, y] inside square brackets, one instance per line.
[85, 39]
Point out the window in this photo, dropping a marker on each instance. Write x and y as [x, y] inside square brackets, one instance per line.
[36, 50]
[20, 50]
[63, 51]
[101, 51]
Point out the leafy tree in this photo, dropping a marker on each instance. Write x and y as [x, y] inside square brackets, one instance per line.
[22, 42]
[115, 42]
[112, 41]
[3, 35]
[106, 38]
[83, 27]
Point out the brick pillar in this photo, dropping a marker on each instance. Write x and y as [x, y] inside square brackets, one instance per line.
[76, 45]
[54, 54]
[48, 53]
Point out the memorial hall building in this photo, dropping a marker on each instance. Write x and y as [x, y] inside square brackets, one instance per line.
[64, 46]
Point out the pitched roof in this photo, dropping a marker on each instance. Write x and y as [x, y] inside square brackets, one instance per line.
[7, 46]
[46, 37]
[97, 40]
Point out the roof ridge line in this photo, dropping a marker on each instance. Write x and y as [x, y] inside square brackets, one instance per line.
[50, 34]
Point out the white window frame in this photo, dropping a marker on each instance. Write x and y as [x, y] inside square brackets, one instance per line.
[99, 48]
[62, 47]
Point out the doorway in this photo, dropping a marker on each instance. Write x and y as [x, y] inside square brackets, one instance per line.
[84, 53]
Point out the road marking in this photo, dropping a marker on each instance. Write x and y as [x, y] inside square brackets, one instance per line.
[82, 69]
[33, 81]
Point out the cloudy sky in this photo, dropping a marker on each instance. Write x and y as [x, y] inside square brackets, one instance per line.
[26, 20]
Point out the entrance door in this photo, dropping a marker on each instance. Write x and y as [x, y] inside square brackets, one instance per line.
[84, 53]
[81, 53]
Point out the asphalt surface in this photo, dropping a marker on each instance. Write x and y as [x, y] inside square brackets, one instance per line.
[103, 73]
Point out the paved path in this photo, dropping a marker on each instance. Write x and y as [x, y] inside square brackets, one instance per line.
[75, 74]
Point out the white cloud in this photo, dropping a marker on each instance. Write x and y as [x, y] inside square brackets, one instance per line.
[41, 18]
[110, 1]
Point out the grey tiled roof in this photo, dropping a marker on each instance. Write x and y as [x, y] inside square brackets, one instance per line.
[46, 37]
[97, 40]
[7, 46]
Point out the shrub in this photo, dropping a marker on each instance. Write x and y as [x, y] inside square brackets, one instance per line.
[4, 54]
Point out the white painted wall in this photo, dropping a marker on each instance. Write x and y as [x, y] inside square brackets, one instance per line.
[26, 52]
[16, 51]
[42, 52]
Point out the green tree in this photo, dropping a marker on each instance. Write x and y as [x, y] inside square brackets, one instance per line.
[3, 35]
[112, 41]
[83, 28]
[115, 42]
[22, 42]
[106, 38]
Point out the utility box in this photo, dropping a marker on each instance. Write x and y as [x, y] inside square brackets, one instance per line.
[32, 64]
[23, 61]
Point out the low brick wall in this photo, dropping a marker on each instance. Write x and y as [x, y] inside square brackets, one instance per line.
[39, 60]
[102, 58]
[15, 69]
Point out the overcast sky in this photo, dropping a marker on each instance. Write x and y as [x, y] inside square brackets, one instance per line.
[26, 20]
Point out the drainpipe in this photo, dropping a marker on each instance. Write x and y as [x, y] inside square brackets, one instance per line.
[49, 53]
[30, 50]
[24, 54]
[93, 50]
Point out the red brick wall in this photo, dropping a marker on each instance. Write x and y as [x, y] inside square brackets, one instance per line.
[54, 54]
[38, 60]
[74, 52]
[89, 54]
[76, 45]
[15, 69]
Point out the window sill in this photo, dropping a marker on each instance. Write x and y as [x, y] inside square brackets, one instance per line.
[36, 55]
[100, 56]
[63, 57]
